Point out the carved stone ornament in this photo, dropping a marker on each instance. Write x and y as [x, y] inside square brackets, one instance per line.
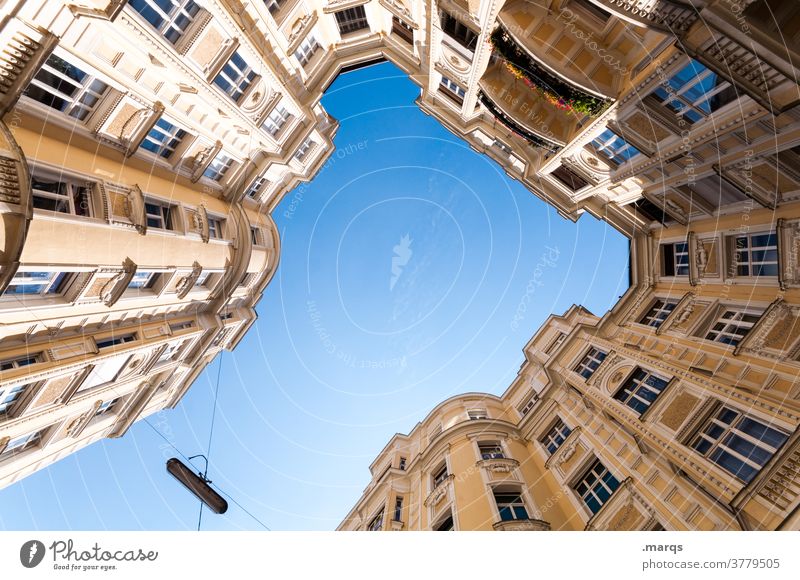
[788, 253]
[78, 424]
[775, 330]
[680, 315]
[611, 360]
[438, 493]
[522, 526]
[186, 283]
[115, 287]
[497, 465]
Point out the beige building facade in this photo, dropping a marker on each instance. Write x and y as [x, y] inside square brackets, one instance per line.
[145, 144]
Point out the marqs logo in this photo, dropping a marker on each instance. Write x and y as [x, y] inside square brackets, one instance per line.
[31, 553]
[402, 254]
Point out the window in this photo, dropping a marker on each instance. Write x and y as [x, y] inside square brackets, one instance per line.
[158, 214]
[306, 50]
[106, 407]
[62, 195]
[9, 395]
[452, 88]
[590, 362]
[40, 283]
[171, 18]
[302, 151]
[402, 464]
[569, 178]
[201, 280]
[142, 279]
[115, 340]
[658, 312]
[694, 92]
[754, 254]
[254, 236]
[170, 353]
[273, 5]
[440, 476]
[20, 444]
[398, 509]
[163, 139]
[556, 436]
[215, 228]
[402, 30]
[351, 20]
[235, 77]
[218, 167]
[20, 361]
[737, 442]
[491, 450]
[376, 524]
[528, 406]
[641, 389]
[276, 119]
[556, 343]
[445, 525]
[613, 147]
[596, 486]
[510, 505]
[258, 184]
[178, 326]
[458, 31]
[733, 325]
[477, 414]
[104, 371]
[66, 88]
[675, 259]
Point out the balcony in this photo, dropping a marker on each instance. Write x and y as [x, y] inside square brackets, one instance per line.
[499, 465]
[670, 16]
[523, 111]
[544, 81]
[522, 526]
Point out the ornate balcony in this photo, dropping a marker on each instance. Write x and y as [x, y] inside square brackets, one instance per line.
[522, 526]
[499, 465]
[671, 16]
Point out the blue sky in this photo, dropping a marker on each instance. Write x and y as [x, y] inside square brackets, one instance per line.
[412, 269]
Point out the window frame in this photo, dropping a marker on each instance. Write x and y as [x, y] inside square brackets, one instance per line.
[635, 385]
[605, 146]
[657, 311]
[593, 355]
[219, 167]
[732, 255]
[730, 323]
[165, 214]
[170, 21]
[76, 186]
[512, 506]
[235, 79]
[581, 479]
[306, 50]
[55, 285]
[351, 20]
[558, 430]
[171, 142]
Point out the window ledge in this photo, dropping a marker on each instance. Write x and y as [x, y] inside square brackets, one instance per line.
[439, 492]
[396, 525]
[498, 465]
[522, 526]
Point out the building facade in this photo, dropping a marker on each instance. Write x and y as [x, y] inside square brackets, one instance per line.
[144, 145]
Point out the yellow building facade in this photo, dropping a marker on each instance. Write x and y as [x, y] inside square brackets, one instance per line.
[144, 145]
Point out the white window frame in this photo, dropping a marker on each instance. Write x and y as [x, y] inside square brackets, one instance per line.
[238, 79]
[68, 201]
[257, 186]
[219, 167]
[20, 361]
[19, 444]
[591, 468]
[304, 148]
[491, 450]
[164, 217]
[176, 21]
[79, 105]
[555, 436]
[453, 87]
[216, 228]
[166, 140]
[661, 307]
[276, 120]
[53, 284]
[104, 372]
[751, 264]
[631, 388]
[305, 52]
[10, 396]
[593, 355]
[733, 325]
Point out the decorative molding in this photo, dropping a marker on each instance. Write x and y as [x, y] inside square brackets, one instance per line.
[779, 319]
[497, 465]
[566, 450]
[186, 283]
[788, 233]
[528, 525]
[680, 314]
[439, 492]
[116, 286]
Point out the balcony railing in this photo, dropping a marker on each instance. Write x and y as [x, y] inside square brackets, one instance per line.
[549, 86]
[517, 128]
[668, 15]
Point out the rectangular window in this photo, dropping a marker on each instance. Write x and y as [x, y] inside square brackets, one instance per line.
[303, 150]
[276, 120]
[658, 313]
[737, 442]
[641, 390]
[733, 325]
[613, 147]
[754, 254]
[306, 50]
[215, 228]
[37, 283]
[446, 524]
[171, 18]
[376, 524]
[675, 259]
[490, 450]
[569, 178]
[142, 279]
[555, 344]
[170, 353]
[462, 34]
[62, 195]
[20, 444]
[254, 236]
[115, 340]
[106, 407]
[528, 406]
[402, 30]
[273, 5]
[402, 465]
[259, 184]
[351, 20]
[694, 92]
[201, 279]
[158, 214]
[451, 88]
[163, 139]
[9, 396]
[66, 88]
[510, 506]
[440, 476]
[477, 414]
[398, 509]
[596, 486]
[556, 436]
[20, 361]
[590, 362]
[104, 371]
[235, 77]
[218, 167]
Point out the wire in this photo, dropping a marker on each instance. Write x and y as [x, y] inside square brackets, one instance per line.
[265, 526]
[211, 431]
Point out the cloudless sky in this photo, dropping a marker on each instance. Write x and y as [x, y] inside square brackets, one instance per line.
[348, 350]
